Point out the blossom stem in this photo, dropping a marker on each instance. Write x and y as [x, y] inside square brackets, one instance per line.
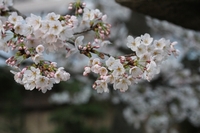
[77, 33]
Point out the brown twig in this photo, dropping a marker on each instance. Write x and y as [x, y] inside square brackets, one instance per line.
[83, 31]
[12, 9]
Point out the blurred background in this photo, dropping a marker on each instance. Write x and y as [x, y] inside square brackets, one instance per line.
[170, 103]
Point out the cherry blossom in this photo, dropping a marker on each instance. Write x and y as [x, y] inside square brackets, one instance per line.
[33, 36]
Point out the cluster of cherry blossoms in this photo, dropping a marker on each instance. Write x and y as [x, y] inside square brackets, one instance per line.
[143, 63]
[31, 37]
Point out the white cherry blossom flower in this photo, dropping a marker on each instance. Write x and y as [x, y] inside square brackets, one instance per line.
[157, 55]
[55, 27]
[39, 34]
[86, 70]
[66, 33]
[146, 39]
[39, 49]
[102, 86]
[52, 16]
[110, 63]
[61, 75]
[27, 30]
[41, 82]
[88, 15]
[174, 51]
[140, 50]
[50, 38]
[65, 76]
[17, 76]
[136, 71]
[103, 71]
[118, 69]
[34, 21]
[18, 28]
[30, 85]
[122, 84]
[150, 48]
[95, 68]
[31, 74]
[159, 43]
[152, 70]
[37, 58]
[133, 43]
[45, 26]
[73, 22]
[32, 43]
[97, 13]
[167, 46]
[96, 61]
[14, 18]
[50, 47]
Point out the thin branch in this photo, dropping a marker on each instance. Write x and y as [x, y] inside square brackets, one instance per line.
[129, 55]
[12, 9]
[83, 31]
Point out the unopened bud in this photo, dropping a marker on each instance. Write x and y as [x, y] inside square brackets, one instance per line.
[80, 10]
[13, 62]
[27, 52]
[84, 48]
[70, 7]
[94, 85]
[80, 47]
[85, 74]
[107, 33]
[83, 4]
[102, 32]
[23, 70]
[20, 48]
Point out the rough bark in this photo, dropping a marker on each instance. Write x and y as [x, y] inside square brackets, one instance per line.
[185, 13]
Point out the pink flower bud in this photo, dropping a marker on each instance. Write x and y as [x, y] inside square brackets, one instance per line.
[80, 47]
[84, 48]
[80, 10]
[20, 48]
[104, 17]
[13, 63]
[70, 7]
[27, 52]
[23, 70]
[52, 74]
[94, 85]
[99, 27]
[102, 32]
[83, 4]
[85, 74]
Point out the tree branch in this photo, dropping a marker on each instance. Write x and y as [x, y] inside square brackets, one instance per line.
[12, 9]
